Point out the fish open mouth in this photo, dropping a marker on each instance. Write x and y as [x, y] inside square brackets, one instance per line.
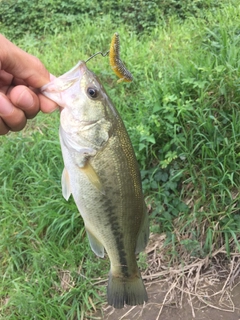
[74, 74]
[54, 89]
[66, 80]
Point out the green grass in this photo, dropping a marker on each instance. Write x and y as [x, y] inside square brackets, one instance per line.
[42, 237]
[182, 113]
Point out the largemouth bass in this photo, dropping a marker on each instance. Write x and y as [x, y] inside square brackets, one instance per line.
[101, 172]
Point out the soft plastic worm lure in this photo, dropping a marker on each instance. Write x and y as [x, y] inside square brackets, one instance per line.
[116, 63]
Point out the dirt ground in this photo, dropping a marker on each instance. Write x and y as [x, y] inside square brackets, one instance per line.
[191, 309]
[192, 288]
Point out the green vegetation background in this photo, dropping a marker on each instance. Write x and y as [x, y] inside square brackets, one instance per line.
[182, 114]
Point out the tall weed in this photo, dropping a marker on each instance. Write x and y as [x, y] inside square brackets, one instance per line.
[18, 18]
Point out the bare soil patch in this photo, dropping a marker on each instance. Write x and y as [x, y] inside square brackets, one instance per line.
[191, 308]
[194, 288]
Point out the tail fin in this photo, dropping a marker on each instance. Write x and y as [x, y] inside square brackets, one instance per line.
[125, 290]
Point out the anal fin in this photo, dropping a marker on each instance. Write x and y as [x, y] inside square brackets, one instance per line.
[95, 244]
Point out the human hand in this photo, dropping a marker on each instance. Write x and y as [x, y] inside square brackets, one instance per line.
[20, 76]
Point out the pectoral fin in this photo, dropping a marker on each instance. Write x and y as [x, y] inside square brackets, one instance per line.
[92, 176]
[96, 246]
[66, 190]
[143, 234]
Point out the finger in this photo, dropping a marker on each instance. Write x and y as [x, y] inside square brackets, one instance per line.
[3, 127]
[5, 78]
[12, 117]
[47, 105]
[25, 99]
[22, 65]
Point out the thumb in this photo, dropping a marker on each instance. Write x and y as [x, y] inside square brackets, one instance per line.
[22, 65]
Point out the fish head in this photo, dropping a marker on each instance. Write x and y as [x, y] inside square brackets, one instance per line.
[88, 117]
[81, 96]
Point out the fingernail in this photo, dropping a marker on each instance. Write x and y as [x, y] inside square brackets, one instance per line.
[6, 107]
[25, 100]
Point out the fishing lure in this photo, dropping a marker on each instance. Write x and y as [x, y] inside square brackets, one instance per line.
[116, 63]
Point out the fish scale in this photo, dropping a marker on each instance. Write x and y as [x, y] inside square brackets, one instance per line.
[102, 174]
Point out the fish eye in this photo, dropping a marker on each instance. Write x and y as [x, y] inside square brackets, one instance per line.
[92, 92]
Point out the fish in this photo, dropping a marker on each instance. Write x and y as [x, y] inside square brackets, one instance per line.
[102, 174]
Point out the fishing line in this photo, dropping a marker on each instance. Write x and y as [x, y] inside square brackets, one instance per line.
[103, 54]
